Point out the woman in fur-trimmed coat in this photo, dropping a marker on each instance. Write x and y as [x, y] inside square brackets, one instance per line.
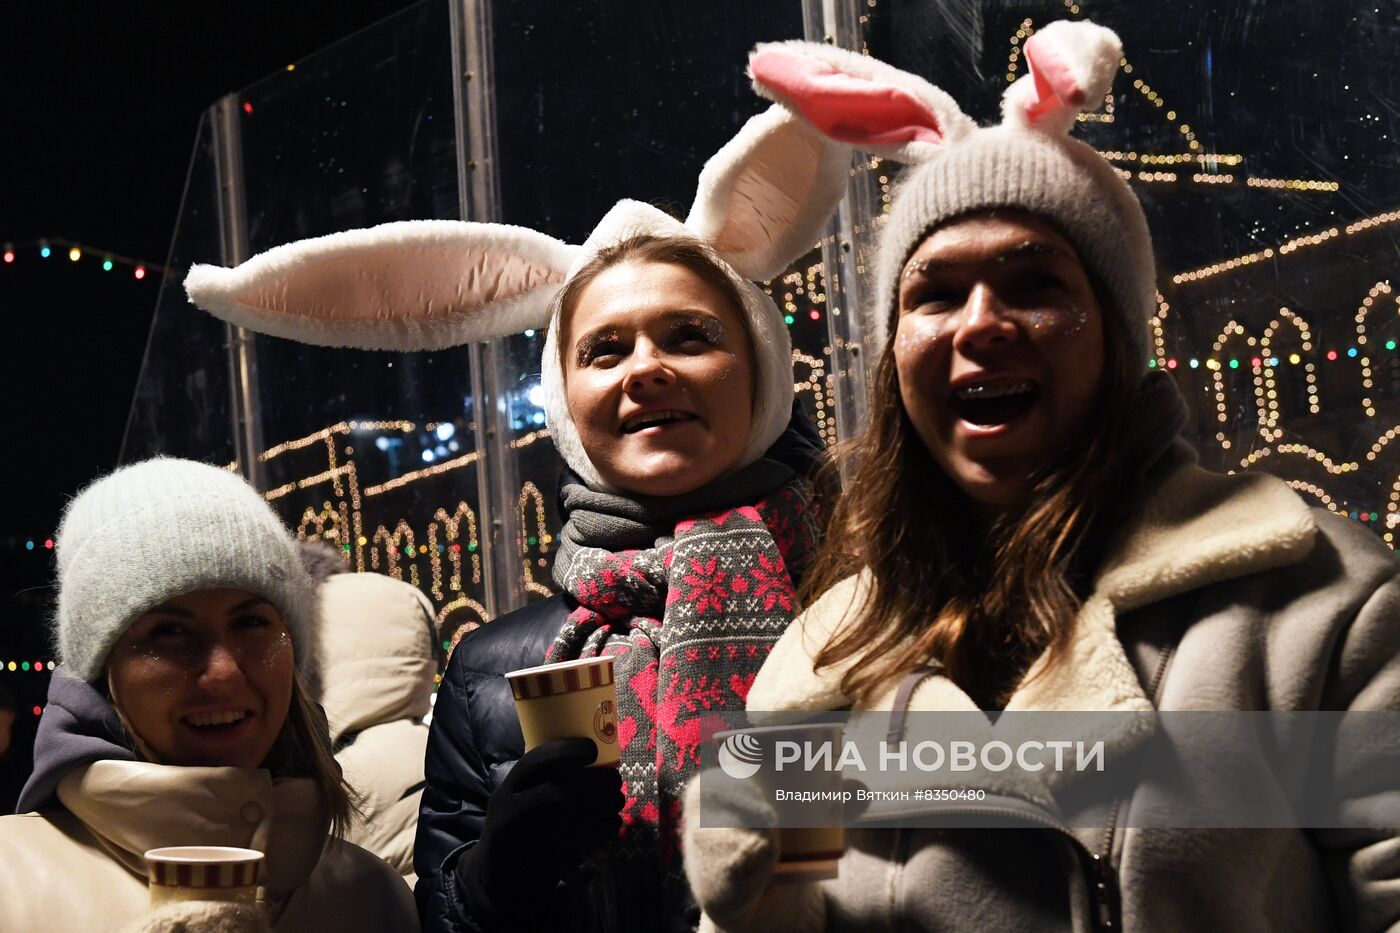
[1031, 534]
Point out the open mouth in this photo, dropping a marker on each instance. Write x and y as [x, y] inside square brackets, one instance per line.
[654, 419]
[225, 721]
[992, 405]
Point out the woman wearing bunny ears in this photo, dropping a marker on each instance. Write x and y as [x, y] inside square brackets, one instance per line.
[1031, 534]
[669, 393]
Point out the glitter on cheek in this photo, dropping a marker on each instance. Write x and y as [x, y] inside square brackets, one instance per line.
[924, 335]
[1059, 323]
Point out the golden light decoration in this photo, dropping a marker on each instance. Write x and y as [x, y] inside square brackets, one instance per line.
[530, 497]
[395, 545]
[1315, 491]
[451, 526]
[1228, 265]
[1232, 330]
[437, 469]
[1268, 399]
[818, 383]
[1380, 288]
[1159, 337]
[1294, 184]
[1289, 246]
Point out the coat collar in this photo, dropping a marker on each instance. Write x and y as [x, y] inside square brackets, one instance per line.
[132, 806]
[1199, 528]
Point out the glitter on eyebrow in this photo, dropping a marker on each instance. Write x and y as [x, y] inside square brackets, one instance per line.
[917, 267]
[588, 342]
[709, 327]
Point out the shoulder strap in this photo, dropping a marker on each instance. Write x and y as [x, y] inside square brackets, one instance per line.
[901, 698]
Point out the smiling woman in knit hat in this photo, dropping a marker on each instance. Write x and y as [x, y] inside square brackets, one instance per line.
[667, 375]
[1024, 530]
[178, 715]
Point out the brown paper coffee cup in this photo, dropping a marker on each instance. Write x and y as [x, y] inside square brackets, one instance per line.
[568, 700]
[203, 873]
[804, 853]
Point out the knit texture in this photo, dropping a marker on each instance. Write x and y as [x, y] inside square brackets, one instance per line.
[1054, 177]
[690, 620]
[163, 528]
[956, 168]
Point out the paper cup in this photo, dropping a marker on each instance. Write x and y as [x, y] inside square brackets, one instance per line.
[804, 853]
[203, 873]
[571, 699]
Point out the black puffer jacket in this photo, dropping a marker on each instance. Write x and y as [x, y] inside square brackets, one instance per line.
[475, 737]
[474, 742]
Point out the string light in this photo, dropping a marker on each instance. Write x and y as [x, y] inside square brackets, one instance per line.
[1228, 265]
[1380, 288]
[76, 252]
[1289, 246]
[530, 499]
[1158, 323]
[39, 666]
[1293, 184]
[818, 384]
[451, 526]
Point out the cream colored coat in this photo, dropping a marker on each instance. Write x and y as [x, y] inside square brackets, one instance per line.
[377, 664]
[79, 867]
[1228, 593]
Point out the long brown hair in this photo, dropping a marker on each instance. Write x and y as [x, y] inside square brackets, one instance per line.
[983, 603]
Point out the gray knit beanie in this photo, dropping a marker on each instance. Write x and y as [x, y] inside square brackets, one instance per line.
[1028, 162]
[163, 528]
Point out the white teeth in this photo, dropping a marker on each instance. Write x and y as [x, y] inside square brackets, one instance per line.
[215, 719]
[993, 391]
[638, 422]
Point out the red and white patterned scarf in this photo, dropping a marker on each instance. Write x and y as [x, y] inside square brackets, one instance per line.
[690, 621]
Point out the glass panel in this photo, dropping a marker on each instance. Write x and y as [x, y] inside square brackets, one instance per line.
[1261, 143]
[182, 403]
[599, 102]
[371, 451]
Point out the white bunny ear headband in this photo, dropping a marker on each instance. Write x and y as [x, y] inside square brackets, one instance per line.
[1028, 162]
[762, 201]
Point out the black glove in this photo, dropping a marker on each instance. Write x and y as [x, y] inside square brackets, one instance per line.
[548, 815]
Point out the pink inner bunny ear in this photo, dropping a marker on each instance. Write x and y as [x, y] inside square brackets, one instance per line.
[846, 107]
[1056, 89]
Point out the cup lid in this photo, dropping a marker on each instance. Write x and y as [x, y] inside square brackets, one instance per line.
[202, 855]
[561, 666]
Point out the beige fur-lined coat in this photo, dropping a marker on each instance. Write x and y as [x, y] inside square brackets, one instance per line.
[1228, 594]
[79, 866]
[375, 650]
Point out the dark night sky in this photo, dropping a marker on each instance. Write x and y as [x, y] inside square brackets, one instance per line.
[101, 105]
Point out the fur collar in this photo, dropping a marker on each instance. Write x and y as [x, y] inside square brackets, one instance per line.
[132, 806]
[1199, 528]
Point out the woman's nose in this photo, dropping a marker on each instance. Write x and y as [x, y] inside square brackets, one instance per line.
[221, 664]
[647, 370]
[985, 322]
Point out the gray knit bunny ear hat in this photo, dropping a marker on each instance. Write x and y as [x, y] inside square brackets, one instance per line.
[1028, 162]
[163, 528]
